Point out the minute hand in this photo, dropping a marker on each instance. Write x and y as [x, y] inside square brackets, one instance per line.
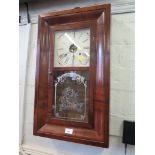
[73, 41]
[73, 59]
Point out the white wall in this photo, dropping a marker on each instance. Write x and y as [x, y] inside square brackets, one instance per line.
[23, 58]
[121, 92]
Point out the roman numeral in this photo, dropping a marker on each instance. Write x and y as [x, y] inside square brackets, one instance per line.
[86, 47]
[85, 40]
[80, 35]
[74, 34]
[59, 49]
[60, 35]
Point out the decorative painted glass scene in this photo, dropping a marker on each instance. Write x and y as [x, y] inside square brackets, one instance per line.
[72, 48]
[71, 95]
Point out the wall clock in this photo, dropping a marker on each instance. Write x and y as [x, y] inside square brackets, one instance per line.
[72, 75]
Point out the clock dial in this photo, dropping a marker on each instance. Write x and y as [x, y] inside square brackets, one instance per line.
[72, 48]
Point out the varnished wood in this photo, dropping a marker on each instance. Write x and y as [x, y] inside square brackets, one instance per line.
[70, 69]
[96, 130]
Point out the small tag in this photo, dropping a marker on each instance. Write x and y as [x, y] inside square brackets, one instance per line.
[69, 131]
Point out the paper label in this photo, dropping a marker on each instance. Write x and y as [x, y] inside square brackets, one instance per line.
[69, 131]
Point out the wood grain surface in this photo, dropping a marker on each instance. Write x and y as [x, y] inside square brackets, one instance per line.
[96, 130]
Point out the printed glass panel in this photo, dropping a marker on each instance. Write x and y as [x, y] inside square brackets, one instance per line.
[71, 95]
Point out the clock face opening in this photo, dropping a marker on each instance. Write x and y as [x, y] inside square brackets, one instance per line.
[72, 48]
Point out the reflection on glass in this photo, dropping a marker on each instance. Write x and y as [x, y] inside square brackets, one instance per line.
[72, 48]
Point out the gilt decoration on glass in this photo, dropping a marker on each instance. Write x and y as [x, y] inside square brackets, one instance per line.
[71, 95]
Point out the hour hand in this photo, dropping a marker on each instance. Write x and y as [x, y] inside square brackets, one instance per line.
[73, 59]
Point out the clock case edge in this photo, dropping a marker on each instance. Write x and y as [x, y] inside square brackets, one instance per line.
[41, 102]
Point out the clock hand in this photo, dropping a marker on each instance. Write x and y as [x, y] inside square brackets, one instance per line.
[73, 59]
[72, 40]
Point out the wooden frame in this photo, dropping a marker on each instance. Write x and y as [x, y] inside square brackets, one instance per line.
[96, 131]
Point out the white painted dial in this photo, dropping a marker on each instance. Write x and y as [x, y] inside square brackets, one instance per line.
[72, 48]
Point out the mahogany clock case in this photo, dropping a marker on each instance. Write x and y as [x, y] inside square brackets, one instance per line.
[94, 130]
